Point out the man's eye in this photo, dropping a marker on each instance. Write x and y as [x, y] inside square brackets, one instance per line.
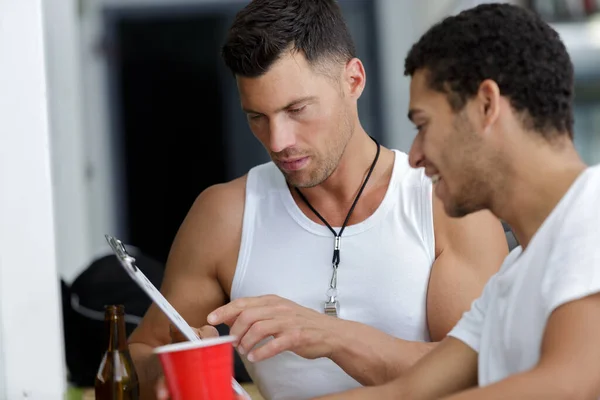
[296, 110]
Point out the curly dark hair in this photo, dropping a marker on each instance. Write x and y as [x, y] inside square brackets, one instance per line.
[510, 45]
[266, 29]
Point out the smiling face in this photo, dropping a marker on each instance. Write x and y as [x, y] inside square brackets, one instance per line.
[303, 118]
[452, 148]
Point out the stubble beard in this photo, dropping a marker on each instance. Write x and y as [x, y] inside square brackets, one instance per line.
[477, 172]
[327, 165]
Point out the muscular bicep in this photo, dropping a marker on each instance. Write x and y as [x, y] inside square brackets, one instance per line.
[205, 244]
[469, 251]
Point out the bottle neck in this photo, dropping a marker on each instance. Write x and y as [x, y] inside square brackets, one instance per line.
[115, 325]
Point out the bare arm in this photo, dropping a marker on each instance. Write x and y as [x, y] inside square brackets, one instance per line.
[569, 366]
[371, 356]
[197, 278]
[469, 251]
[447, 369]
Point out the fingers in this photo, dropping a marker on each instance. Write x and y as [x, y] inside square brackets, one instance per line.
[272, 348]
[248, 318]
[228, 313]
[162, 393]
[205, 332]
[259, 331]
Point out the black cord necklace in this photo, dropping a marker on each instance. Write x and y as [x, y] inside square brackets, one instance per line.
[332, 305]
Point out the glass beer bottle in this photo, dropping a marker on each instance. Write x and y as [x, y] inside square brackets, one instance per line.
[116, 378]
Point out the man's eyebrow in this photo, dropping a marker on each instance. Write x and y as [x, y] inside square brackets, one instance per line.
[298, 101]
[249, 111]
[287, 106]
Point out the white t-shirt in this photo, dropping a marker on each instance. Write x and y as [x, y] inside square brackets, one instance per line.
[561, 264]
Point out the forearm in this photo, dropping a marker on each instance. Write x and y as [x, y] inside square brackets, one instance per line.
[528, 385]
[147, 367]
[389, 391]
[449, 368]
[371, 356]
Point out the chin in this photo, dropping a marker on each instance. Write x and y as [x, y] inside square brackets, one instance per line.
[306, 178]
[459, 210]
[467, 199]
[301, 180]
[455, 212]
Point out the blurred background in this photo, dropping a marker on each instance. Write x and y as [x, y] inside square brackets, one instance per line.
[143, 116]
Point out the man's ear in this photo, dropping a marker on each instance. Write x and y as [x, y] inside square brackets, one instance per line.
[355, 77]
[488, 98]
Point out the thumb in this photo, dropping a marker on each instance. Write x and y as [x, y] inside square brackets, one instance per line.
[207, 331]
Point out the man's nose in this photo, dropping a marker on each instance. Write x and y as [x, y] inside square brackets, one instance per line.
[281, 136]
[416, 156]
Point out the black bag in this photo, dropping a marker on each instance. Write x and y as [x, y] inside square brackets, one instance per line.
[103, 282]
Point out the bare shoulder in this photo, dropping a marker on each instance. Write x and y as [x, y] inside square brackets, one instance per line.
[223, 201]
[212, 228]
[477, 233]
[209, 236]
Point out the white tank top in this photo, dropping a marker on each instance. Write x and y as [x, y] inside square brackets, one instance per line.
[382, 278]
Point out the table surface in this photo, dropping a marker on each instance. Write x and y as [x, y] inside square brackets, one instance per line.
[252, 391]
[88, 393]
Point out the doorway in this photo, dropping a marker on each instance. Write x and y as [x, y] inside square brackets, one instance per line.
[175, 110]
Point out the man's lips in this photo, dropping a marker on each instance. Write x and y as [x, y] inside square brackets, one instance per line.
[433, 175]
[293, 164]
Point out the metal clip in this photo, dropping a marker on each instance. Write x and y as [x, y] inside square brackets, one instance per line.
[121, 252]
[338, 243]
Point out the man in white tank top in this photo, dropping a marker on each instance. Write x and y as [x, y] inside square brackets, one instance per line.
[317, 310]
[494, 85]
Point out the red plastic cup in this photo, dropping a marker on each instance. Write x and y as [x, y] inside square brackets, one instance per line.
[199, 370]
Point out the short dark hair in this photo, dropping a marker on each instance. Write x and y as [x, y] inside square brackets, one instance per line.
[265, 29]
[510, 45]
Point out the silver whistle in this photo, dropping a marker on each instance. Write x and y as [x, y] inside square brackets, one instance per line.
[332, 307]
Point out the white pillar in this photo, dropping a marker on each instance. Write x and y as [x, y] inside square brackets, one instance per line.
[69, 160]
[31, 345]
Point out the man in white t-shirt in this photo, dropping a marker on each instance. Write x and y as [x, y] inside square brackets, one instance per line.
[491, 96]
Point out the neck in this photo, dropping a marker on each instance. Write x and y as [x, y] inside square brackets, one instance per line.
[345, 181]
[533, 191]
